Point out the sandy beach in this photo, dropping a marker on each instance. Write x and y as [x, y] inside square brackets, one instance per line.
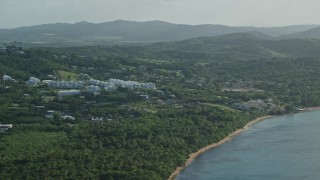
[312, 109]
[228, 138]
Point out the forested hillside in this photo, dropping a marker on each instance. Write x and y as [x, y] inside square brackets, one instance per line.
[206, 88]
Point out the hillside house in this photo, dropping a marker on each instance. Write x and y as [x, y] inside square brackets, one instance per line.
[144, 97]
[5, 127]
[6, 78]
[66, 117]
[97, 118]
[33, 81]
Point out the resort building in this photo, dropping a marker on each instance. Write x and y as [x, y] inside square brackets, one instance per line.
[69, 92]
[93, 89]
[65, 84]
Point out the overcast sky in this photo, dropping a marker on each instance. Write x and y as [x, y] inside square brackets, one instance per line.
[15, 13]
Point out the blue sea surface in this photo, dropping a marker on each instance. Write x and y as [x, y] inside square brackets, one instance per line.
[283, 147]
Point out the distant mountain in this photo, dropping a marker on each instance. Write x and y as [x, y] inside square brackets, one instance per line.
[286, 30]
[237, 46]
[308, 34]
[85, 33]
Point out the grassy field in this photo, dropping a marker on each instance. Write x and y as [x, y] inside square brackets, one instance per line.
[65, 75]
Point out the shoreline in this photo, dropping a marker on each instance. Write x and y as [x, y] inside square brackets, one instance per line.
[194, 155]
[311, 109]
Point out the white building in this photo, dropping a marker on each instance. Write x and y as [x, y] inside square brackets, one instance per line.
[6, 126]
[66, 84]
[93, 89]
[110, 88]
[50, 114]
[7, 78]
[33, 81]
[132, 84]
[144, 97]
[94, 86]
[69, 92]
[97, 118]
[68, 118]
[46, 82]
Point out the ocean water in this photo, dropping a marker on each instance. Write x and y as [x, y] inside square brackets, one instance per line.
[284, 148]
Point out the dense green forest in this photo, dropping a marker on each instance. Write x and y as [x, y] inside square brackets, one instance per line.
[199, 81]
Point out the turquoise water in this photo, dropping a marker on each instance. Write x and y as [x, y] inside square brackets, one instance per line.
[284, 147]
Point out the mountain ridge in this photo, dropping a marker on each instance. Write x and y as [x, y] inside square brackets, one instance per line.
[131, 31]
[308, 34]
[244, 45]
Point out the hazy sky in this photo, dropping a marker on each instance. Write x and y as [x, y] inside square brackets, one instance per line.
[14, 13]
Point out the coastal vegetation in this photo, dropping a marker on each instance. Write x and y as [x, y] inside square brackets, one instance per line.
[199, 82]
